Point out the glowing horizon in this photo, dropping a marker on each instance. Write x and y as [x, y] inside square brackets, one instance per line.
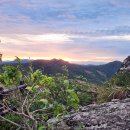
[98, 59]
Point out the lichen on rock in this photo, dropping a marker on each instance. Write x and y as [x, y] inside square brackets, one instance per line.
[114, 115]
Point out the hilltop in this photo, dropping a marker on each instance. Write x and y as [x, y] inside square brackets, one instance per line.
[93, 73]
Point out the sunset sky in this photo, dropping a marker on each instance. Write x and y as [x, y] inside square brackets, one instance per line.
[79, 31]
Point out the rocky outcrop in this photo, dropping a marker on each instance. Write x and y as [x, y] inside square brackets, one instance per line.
[126, 64]
[114, 115]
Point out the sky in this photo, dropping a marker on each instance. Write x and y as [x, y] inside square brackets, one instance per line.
[79, 31]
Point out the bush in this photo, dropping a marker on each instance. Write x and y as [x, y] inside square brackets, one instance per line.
[44, 98]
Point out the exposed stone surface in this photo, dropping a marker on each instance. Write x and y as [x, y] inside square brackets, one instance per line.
[114, 115]
[126, 64]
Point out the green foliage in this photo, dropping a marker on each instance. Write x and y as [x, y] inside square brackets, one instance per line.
[117, 88]
[10, 76]
[42, 128]
[121, 79]
[82, 88]
[45, 97]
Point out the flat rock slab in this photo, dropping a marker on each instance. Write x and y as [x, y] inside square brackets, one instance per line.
[114, 115]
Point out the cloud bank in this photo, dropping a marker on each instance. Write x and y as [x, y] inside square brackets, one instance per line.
[81, 30]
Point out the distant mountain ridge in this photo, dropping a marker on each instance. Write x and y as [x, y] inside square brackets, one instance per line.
[15, 62]
[93, 73]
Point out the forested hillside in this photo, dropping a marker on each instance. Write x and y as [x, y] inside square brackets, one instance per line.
[93, 73]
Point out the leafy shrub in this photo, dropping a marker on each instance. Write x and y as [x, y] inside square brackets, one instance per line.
[10, 76]
[45, 97]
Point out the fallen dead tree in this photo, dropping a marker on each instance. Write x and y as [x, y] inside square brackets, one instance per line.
[4, 107]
